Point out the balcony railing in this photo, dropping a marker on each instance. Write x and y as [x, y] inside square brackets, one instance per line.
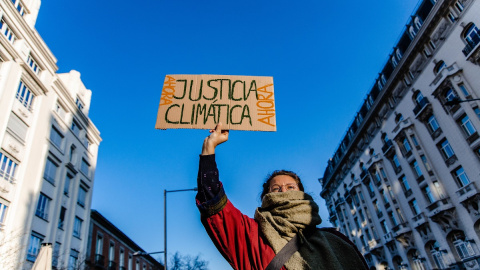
[387, 146]
[471, 45]
[419, 220]
[439, 206]
[112, 265]
[420, 106]
[467, 191]
[388, 237]
[99, 260]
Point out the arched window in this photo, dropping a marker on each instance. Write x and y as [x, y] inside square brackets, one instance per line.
[394, 61]
[471, 35]
[412, 31]
[438, 255]
[418, 97]
[449, 94]
[418, 23]
[439, 66]
[399, 54]
[462, 245]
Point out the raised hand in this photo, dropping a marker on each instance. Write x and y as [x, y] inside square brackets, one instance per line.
[216, 137]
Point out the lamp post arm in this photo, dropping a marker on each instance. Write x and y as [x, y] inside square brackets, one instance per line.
[456, 101]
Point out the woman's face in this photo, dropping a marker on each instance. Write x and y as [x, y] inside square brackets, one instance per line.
[283, 183]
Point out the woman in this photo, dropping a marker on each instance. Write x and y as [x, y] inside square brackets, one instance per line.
[286, 211]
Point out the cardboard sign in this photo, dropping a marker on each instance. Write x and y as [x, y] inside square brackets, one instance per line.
[201, 101]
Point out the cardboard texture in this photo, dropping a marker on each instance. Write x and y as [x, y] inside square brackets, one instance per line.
[201, 101]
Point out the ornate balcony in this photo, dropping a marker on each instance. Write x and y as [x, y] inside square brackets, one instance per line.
[387, 146]
[472, 45]
[388, 237]
[421, 106]
[419, 220]
[401, 126]
[439, 207]
[467, 192]
[99, 260]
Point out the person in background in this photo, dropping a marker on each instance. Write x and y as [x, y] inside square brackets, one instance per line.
[286, 213]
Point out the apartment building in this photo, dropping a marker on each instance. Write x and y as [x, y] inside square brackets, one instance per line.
[403, 182]
[48, 147]
[109, 248]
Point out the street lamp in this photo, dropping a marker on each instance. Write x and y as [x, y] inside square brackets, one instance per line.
[456, 100]
[165, 218]
[143, 253]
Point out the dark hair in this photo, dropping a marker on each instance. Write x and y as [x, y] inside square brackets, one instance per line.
[266, 184]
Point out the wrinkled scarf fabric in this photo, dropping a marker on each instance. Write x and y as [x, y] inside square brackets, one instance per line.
[284, 214]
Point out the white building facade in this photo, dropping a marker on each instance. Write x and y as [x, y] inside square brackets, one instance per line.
[403, 182]
[48, 147]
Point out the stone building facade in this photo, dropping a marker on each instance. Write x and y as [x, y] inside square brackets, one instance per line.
[403, 182]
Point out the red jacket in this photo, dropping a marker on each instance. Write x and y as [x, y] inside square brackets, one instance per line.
[237, 238]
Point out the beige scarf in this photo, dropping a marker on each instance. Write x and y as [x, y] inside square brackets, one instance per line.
[284, 214]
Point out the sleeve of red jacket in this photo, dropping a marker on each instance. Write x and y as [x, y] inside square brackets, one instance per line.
[235, 235]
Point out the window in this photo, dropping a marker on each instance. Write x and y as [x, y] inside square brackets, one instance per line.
[414, 206]
[406, 145]
[43, 206]
[33, 64]
[452, 17]
[56, 255]
[99, 246]
[438, 256]
[60, 110]
[61, 219]
[7, 32]
[385, 197]
[75, 128]
[3, 213]
[66, 187]
[425, 163]
[130, 262]
[50, 171]
[122, 258]
[432, 45]
[450, 95]
[395, 161]
[393, 218]
[446, 149]
[463, 247]
[111, 252]
[34, 246]
[394, 61]
[416, 169]
[461, 177]
[79, 104]
[472, 35]
[17, 126]
[477, 111]
[467, 126]
[25, 96]
[19, 6]
[85, 167]
[82, 195]
[56, 137]
[415, 141]
[419, 98]
[7, 168]
[385, 226]
[464, 90]
[426, 52]
[418, 22]
[459, 6]
[439, 66]
[71, 156]
[77, 227]
[428, 194]
[404, 182]
[432, 124]
[73, 260]
[398, 53]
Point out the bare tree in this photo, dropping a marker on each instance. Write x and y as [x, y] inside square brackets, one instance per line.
[11, 246]
[187, 262]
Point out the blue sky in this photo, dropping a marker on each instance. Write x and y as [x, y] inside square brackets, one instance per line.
[324, 57]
